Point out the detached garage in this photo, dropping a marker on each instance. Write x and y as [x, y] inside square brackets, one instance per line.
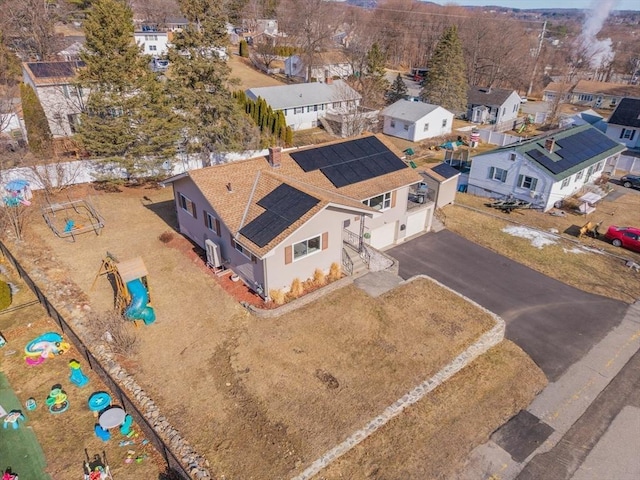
[416, 121]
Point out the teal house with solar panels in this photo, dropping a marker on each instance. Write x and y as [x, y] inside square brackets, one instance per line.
[275, 218]
[546, 169]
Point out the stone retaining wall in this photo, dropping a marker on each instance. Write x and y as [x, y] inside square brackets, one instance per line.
[72, 307]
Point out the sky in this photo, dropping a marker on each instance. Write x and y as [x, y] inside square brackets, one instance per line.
[582, 4]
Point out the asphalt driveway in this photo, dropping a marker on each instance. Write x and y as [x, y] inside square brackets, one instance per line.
[554, 323]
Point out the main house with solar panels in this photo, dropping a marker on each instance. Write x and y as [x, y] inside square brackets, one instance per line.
[545, 169]
[276, 218]
[61, 99]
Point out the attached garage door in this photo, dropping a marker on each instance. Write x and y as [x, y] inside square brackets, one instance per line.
[383, 236]
[416, 222]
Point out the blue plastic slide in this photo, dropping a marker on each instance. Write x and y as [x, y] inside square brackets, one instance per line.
[138, 309]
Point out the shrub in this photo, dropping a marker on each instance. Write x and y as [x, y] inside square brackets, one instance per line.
[335, 272]
[166, 237]
[277, 296]
[319, 278]
[118, 333]
[5, 295]
[244, 49]
[297, 288]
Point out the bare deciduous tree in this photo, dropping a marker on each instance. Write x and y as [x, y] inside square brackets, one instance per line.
[312, 23]
[30, 24]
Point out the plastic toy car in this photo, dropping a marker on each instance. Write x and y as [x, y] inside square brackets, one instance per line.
[627, 237]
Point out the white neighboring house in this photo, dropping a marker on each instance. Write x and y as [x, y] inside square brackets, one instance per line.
[324, 66]
[303, 104]
[415, 121]
[624, 124]
[61, 99]
[492, 105]
[153, 42]
[545, 169]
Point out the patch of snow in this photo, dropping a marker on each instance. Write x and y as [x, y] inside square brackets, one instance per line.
[538, 239]
[573, 250]
[553, 230]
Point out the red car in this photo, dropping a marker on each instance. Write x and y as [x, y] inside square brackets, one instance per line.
[627, 237]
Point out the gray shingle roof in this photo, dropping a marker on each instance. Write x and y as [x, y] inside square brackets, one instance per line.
[627, 113]
[492, 97]
[407, 110]
[303, 94]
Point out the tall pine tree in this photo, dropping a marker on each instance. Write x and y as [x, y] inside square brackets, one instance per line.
[129, 118]
[446, 81]
[397, 91]
[35, 121]
[198, 82]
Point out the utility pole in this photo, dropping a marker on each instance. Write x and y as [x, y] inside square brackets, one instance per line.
[535, 63]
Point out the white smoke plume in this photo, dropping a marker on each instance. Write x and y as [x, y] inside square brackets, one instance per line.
[598, 51]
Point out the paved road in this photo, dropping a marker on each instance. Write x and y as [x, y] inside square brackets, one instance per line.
[565, 459]
[554, 323]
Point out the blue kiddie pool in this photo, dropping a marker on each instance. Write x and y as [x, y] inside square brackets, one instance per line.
[99, 401]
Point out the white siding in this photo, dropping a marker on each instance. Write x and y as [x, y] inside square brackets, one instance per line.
[415, 131]
[614, 132]
[152, 43]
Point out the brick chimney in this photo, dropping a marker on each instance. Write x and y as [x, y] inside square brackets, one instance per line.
[549, 143]
[327, 78]
[275, 154]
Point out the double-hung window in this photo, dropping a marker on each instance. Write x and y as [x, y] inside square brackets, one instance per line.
[498, 174]
[527, 182]
[187, 205]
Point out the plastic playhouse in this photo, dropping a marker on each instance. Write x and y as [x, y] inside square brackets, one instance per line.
[131, 285]
[17, 192]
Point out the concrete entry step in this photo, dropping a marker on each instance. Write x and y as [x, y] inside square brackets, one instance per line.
[377, 283]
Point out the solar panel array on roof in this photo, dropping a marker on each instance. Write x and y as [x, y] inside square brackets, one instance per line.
[283, 206]
[574, 150]
[350, 162]
[54, 69]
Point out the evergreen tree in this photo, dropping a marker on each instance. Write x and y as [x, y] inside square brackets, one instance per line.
[397, 91]
[38, 131]
[446, 80]
[372, 79]
[244, 48]
[128, 118]
[198, 82]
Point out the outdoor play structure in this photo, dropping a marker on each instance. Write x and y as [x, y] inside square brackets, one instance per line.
[17, 192]
[129, 279]
[72, 218]
[47, 345]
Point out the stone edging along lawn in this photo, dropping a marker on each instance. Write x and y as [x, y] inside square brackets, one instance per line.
[486, 341]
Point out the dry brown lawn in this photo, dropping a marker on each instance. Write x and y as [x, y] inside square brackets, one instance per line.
[591, 271]
[247, 75]
[262, 398]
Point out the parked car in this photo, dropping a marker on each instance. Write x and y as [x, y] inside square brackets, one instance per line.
[629, 181]
[627, 237]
